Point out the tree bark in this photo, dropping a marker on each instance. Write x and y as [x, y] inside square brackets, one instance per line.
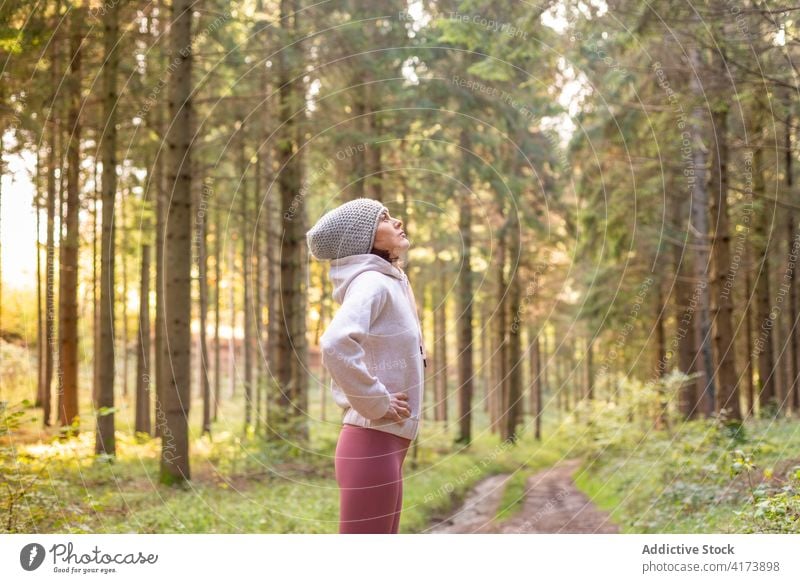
[291, 363]
[514, 333]
[246, 283]
[697, 176]
[465, 303]
[536, 383]
[160, 177]
[202, 227]
[439, 332]
[68, 268]
[727, 394]
[793, 342]
[763, 342]
[142, 420]
[177, 346]
[50, 309]
[217, 316]
[104, 436]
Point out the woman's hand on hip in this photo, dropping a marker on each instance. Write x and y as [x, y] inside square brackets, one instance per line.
[398, 409]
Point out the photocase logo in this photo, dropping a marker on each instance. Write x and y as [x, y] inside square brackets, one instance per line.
[31, 556]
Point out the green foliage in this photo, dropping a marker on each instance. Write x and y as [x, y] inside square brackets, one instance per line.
[22, 497]
[703, 476]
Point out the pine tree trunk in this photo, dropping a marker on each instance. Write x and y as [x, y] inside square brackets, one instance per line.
[722, 276]
[514, 341]
[68, 268]
[700, 222]
[49, 285]
[274, 322]
[202, 226]
[763, 342]
[465, 298]
[232, 337]
[661, 351]
[291, 362]
[160, 177]
[177, 251]
[684, 310]
[748, 327]
[536, 383]
[97, 235]
[501, 382]
[246, 283]
[39, 315]
[217, 307]
[258, 303]
[793, 396]
[142, 420]
[439, 329]
[123, 353]
[104, 436]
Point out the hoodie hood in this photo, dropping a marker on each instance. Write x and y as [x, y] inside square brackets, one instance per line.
[344, 270]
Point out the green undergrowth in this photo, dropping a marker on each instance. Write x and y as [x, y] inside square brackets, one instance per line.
[701, 476]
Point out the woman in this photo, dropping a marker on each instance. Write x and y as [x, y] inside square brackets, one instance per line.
[374, 351]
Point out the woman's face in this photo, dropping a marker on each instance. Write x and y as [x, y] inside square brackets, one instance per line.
[390, 235]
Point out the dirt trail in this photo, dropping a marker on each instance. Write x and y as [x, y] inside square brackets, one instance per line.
[553, 504]
[477, 512]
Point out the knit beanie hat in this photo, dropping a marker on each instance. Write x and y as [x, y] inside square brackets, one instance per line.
[346, 230]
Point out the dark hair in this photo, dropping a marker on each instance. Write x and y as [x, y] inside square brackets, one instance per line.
[383, 254]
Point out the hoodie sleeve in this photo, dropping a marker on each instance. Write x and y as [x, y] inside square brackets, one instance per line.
[343, 352]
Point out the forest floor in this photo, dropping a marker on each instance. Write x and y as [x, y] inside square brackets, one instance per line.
[552, 504]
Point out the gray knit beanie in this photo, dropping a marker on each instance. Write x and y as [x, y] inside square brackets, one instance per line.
[346, 230]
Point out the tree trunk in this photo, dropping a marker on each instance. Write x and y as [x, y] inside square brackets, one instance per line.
[514, 352]
[291, 363]
[266, 223]
[763, 343]
[258, 302]
[662, 420]
[439, 332]
[465, 298]
[217, 316]
[123, 353]
[202, 227]
[685, 315]
[246, 283]
[161, 212]
[793, 396]
[142, 421]
[501, 355]
[722, 276]
[748, 327]
[39, 315]
[697, 178]
[536, 383]
[177, 251]
[49, 286]
[232, 305]
[104, 436]
[96, 237]
[68, 297]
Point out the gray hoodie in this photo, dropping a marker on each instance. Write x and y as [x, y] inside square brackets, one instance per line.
[373, 346]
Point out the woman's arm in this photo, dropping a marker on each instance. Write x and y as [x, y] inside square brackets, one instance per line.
[343, 352]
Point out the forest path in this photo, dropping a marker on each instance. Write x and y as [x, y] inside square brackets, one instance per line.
[553, 504]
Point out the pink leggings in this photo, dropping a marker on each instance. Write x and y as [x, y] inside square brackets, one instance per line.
[369, 465]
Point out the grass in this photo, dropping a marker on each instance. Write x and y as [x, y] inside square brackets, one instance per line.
[239, 484]
[694, 480]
